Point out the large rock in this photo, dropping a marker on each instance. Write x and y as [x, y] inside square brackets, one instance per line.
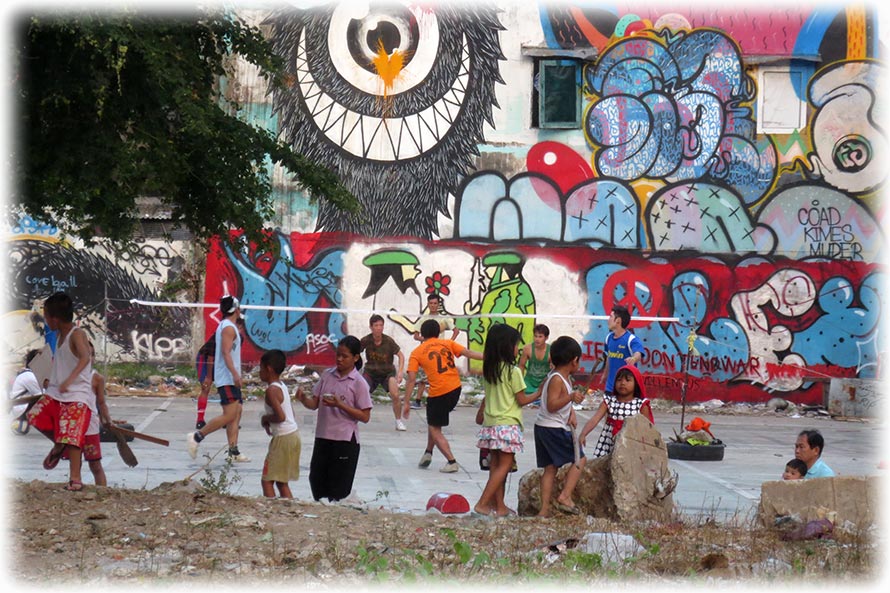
[632, 483]
[849, 502]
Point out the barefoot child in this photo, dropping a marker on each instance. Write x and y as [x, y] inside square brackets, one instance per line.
[63, 414]
[554, 446]
[501, 409]
[283, 459]
[92, 446]
[628, 400]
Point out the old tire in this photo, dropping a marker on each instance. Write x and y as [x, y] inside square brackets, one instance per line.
[688, 452]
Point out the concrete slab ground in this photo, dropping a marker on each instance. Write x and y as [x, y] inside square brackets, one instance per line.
[757, 448]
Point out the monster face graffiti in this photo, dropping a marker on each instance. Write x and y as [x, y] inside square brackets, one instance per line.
[392, 98]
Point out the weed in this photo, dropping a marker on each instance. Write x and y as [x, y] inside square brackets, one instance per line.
[223, 483]
[581, 560]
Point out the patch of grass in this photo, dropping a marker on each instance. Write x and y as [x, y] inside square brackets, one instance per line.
[136, 372]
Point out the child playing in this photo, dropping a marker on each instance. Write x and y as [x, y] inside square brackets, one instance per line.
[24, 385]
[204, 369]
[92, 447]
[554, 446]
[436, 357]
[795, 470]
[342, 399]
[501, 409]
[283, 459]
[629, 399]
[63, 413]
[535, 360]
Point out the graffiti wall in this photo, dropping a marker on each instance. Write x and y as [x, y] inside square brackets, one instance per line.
[101, 281]
[760, 251]
[761, 325]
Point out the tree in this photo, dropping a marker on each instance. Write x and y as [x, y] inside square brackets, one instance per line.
[117, 106]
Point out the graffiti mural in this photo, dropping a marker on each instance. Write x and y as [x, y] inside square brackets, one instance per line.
[758, 325]
[101, 282]
[394, 98]
[847, 141]
[298, 272]
[757, 253]
[676, 110]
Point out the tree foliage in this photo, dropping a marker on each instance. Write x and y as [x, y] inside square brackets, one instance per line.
[115, 106]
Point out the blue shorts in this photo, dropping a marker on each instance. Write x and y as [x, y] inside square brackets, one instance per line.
[229, 394]
[204, 367]
[553, 446]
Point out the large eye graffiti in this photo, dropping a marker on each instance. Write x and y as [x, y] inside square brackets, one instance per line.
[393, 96]
[391, 55]
[372, 38]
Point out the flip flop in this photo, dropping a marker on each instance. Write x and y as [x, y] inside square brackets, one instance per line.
[52, 458]
[74, 486]
[566, 508]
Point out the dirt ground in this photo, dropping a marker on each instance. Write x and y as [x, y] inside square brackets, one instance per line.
[184, 533]
[176, 532]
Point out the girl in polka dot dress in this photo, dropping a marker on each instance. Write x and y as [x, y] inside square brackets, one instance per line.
[629, 399]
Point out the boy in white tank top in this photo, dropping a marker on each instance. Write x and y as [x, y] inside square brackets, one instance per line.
[283, 459]
[554, 440]
[63, 413]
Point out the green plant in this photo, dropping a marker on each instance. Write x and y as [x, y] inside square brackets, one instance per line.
[223, 483]
[581, 560]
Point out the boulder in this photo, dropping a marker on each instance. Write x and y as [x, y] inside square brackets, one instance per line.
[849, 502]
[632, 483]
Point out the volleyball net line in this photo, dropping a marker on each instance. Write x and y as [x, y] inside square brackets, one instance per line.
[385, 312]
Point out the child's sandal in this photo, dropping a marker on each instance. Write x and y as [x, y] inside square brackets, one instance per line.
[53, 457]
[74, 486]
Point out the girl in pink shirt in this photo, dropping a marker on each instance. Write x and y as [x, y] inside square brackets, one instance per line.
[342, 399]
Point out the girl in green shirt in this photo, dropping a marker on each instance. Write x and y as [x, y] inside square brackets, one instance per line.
[501, 414]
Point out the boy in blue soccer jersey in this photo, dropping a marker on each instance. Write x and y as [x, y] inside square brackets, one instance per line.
[622, 347]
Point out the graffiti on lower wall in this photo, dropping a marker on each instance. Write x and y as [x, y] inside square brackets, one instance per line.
[760, 325]
[295, 273]
[101, 282]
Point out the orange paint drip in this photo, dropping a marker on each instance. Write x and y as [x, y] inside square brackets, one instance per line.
[388, 67]
[856, 35]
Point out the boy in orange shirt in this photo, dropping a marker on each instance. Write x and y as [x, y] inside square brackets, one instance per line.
[436, 357]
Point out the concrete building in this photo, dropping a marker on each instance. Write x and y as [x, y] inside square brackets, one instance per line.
[717, 164]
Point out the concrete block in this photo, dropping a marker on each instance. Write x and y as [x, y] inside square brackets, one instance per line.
[850, 502]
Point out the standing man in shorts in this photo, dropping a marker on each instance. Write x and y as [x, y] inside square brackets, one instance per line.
[436, 357]
[379, 370]
[227, 376]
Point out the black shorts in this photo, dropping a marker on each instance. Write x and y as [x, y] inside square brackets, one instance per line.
[439, 407]
[375, 380]
[553, 446]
